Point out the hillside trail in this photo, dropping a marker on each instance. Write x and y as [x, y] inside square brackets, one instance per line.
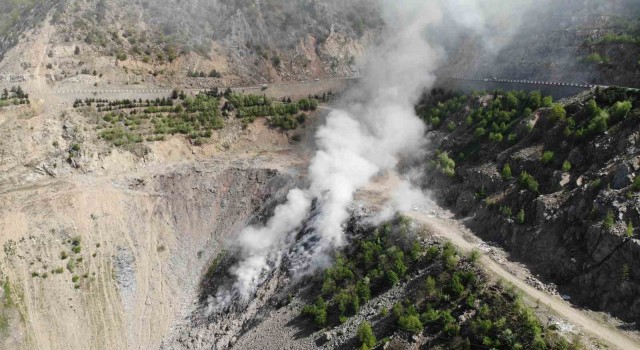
[452, 231]
[440, 222]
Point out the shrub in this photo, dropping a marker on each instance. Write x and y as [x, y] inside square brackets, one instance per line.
[529, 182]
[621, 109]
[392, 278]
[629, 229]
[635, 186]
[446, 165]
[608, 221]
[566, 166]
[520, 216]
[474, 256]
[557, 113]
[63, 255]
[384, 312]
[410, 323]
[496, 137]
[451, 126]
[398, 310]
[506, 212]
[76, 249]
[318, 311]
[595, 58]
[365, 335]
[547, 157]
[71, 265]
[506, 172]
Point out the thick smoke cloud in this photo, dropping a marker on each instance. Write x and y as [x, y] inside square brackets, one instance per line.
[376, 129]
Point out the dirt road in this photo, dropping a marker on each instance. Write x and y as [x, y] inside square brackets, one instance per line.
[607, 334]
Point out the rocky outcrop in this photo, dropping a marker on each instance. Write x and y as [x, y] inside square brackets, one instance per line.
[575, 231]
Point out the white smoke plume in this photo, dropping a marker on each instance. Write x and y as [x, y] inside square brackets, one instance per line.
[355, 144]
[377, 127]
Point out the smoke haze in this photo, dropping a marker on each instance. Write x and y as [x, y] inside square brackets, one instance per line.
[377, 127]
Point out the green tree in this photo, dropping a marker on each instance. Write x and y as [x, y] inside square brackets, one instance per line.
[365, 335]
[506, 171]
[456, 285]
[608, 221]
[557, 113]
[566, 166]
[363, 290]
[430, 286]
[621, 109]
[392, 278]
[547, 157]
[635, 186]
[520, 216]
[410, 323]
[535, 100]
[529, 182]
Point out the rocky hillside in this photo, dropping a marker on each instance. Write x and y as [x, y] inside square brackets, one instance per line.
[18, 16]
[394, 287]
[572, 41]
[556, 184]
[232, 42]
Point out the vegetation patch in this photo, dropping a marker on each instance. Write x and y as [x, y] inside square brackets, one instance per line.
[452, 288]
[14, 96]
[125, 122]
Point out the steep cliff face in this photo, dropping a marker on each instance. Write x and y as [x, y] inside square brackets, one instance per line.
[572, 215]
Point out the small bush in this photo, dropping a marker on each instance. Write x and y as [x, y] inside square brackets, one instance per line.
[520, 216]
[446, 165]
[410, 323]
[506, 212]
[566, 166]
[609, 221]
[63, 255]
[620, 110]
[71, 265]
[557, 113]
[474, 256]
[635, 185]
[506, 172]
[547, 157]
[529, 182]
[365, 335]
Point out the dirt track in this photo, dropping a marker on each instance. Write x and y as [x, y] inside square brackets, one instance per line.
[453, 232]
